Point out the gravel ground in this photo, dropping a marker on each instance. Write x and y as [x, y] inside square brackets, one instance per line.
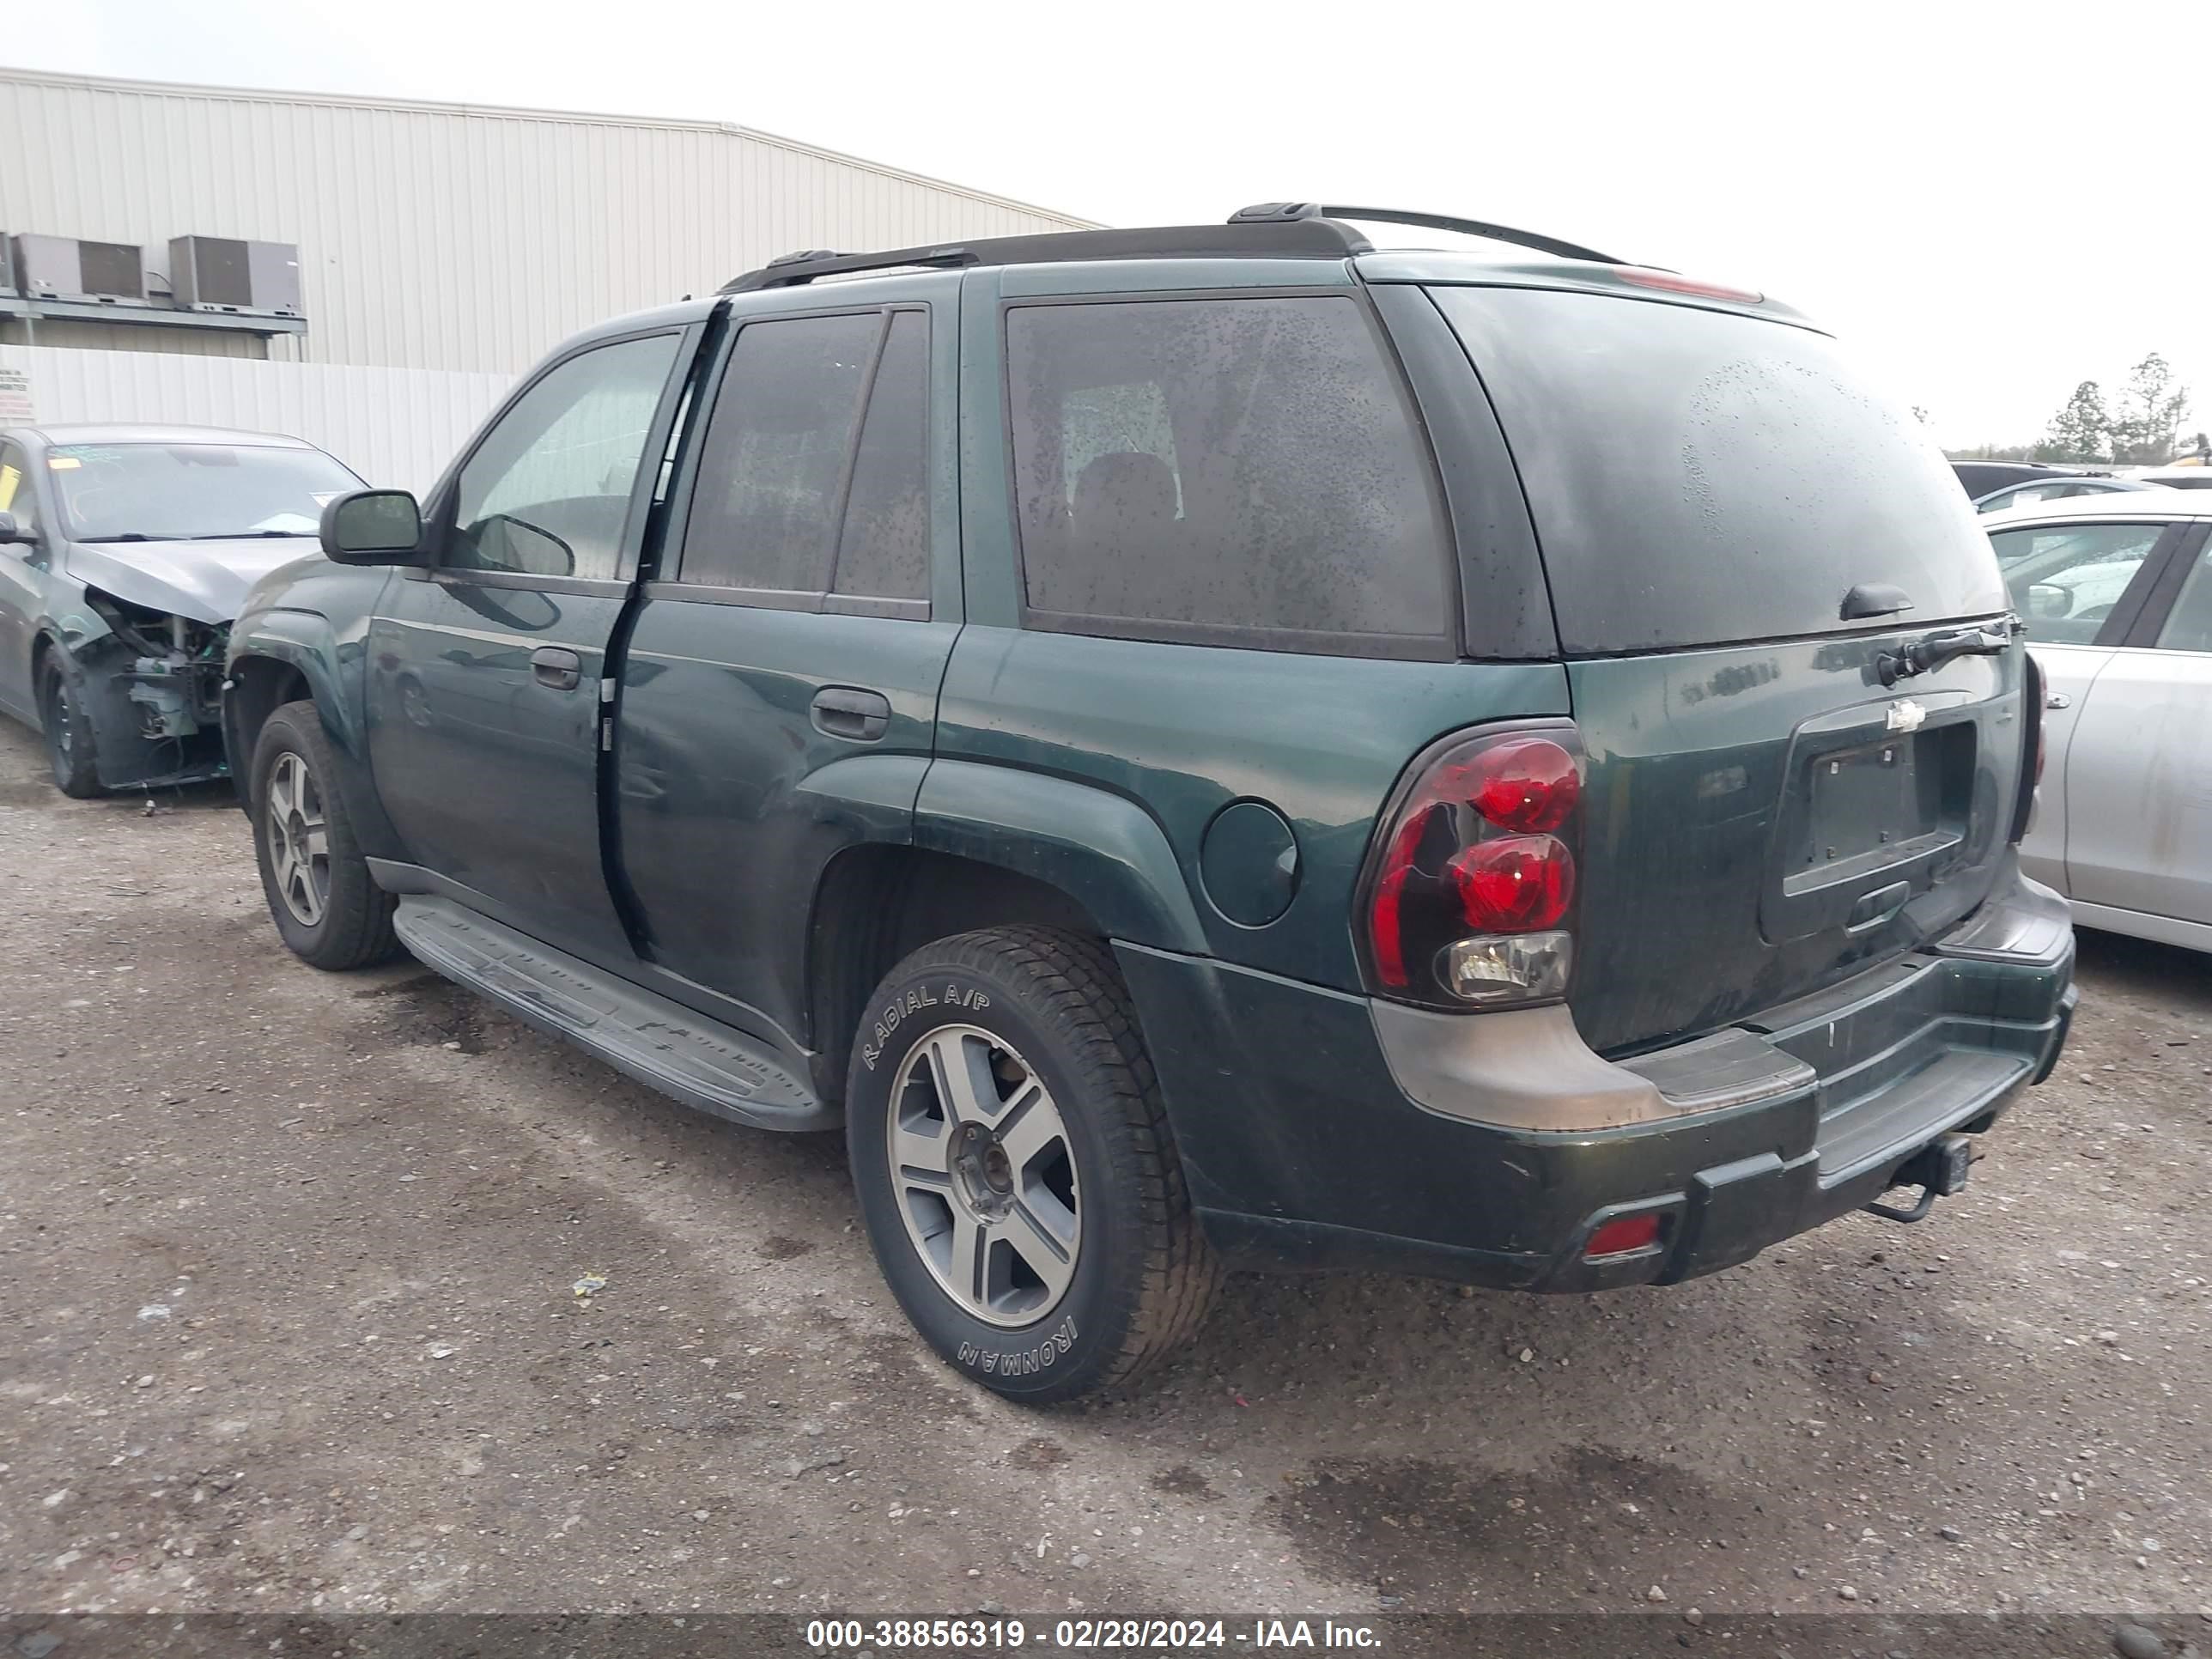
[290, 1327]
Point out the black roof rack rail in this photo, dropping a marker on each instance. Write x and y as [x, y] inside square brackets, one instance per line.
[1287, 212]
[1283, 239]
[1282, 230]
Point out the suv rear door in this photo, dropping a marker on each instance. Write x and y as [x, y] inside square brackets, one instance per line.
[1763, 816]
[778, 693]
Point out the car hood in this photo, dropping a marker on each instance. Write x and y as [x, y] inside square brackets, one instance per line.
[203, 581]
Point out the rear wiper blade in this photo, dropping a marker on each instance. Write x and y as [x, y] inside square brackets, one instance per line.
[1924, 656]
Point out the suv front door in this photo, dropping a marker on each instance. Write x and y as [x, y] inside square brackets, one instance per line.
[484, 669]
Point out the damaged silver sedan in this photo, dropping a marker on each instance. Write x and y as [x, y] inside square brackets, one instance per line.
[125, 553]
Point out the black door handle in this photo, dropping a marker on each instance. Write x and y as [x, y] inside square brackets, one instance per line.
[562, 670]
[841, 711]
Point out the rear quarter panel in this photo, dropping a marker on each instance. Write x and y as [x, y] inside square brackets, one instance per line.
[1182, 731]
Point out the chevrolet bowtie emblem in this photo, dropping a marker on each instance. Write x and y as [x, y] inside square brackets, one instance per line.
[1906, 716]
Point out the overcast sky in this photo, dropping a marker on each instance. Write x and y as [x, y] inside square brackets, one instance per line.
[1992, 203]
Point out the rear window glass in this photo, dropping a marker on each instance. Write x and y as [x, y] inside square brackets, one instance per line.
[1699, 477]
[1223, 467]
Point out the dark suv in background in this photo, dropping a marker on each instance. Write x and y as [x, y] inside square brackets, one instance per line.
[1200, 747]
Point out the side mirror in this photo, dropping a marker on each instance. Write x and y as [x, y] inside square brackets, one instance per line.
[372, 526]
[2049, 601]
[11, 531]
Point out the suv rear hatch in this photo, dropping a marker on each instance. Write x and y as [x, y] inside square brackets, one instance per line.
[1762, 816]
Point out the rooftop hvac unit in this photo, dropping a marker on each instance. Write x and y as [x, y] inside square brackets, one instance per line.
[63, 268]
[217, 273]
[8, 289]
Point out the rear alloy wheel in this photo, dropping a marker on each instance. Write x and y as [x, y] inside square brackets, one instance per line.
[68, 729]
[327, 908]
[985, 1178]
[1016, 1169]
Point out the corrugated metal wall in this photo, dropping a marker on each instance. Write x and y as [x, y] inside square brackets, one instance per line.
[392, 425]
[440, 236]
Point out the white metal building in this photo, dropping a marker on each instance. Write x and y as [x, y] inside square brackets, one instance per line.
[439, 235]
[440, 248]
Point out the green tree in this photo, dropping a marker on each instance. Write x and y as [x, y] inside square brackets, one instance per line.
[2082, 431]
[2148, 421]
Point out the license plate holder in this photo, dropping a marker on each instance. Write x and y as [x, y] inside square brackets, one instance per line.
[1866, 800]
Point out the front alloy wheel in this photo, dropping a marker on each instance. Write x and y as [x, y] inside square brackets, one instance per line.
[298, 841]
[325, 904]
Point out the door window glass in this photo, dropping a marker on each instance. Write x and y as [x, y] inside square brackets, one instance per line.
[1241, 465]
[883, 549]
[17, 494]
[548, 492]
[2189, 624]
[772, 466]
[2065, 579]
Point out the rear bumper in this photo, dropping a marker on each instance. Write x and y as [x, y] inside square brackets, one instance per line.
[1327, 1131]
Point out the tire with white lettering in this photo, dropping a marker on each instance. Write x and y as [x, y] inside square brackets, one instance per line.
[1015, 1167]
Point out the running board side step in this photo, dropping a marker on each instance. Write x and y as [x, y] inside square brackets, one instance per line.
[685, 1054]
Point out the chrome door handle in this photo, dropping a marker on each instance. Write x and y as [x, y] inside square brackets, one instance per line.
[2057, 700]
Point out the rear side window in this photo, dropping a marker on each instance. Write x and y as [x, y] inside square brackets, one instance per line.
[1243, 470]
[883, 552]
[1699, 477]
[772, 466]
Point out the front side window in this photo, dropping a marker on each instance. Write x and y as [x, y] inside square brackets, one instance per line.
[17, 497]
[192, 491]
[548, 492]
[2064, 580]
[1187, 466]
[772, 465]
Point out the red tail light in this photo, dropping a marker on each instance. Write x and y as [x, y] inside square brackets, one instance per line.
[1474, 877]
[1515, 885]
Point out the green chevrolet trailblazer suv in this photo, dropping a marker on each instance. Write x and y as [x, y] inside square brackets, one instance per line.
[1200, 748]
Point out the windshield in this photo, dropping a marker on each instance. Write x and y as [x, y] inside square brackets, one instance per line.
[1699, 477]
[183, 492]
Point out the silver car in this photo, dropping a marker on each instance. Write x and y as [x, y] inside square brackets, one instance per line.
[124, 552]
[2031, 490]
[2115, 590]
